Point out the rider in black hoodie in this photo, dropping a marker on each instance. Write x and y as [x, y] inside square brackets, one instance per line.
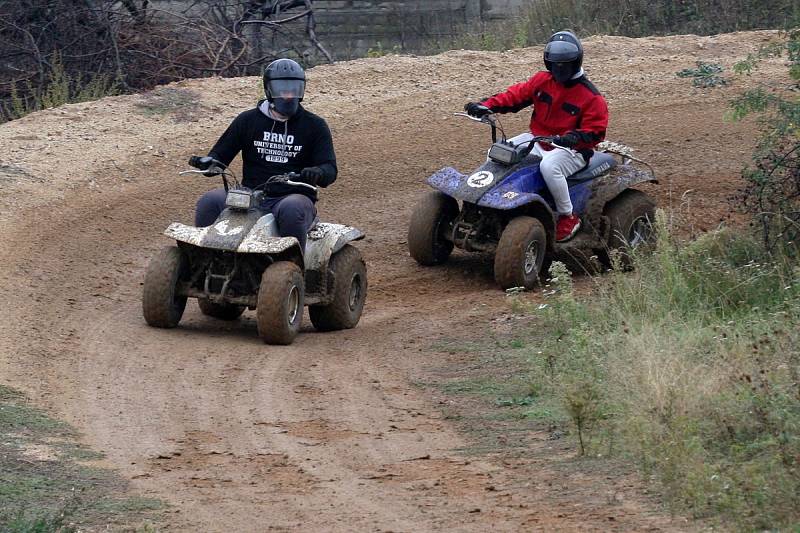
[278, 136]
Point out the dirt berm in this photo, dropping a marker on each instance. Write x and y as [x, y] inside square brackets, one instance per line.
[321, 435]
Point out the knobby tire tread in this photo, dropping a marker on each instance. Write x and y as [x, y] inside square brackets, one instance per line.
[160, 306]
[337, 314]
[272, 305]
[425, 245]
[510, 254]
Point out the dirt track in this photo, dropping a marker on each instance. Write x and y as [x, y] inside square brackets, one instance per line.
[321, 435]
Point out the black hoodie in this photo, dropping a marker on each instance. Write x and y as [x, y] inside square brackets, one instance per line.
[270, 147]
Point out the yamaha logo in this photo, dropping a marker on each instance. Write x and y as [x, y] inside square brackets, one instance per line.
[602, 168]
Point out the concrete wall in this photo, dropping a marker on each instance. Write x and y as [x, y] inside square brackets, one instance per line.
[351, 27]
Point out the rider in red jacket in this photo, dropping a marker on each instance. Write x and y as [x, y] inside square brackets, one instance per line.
[565, 104]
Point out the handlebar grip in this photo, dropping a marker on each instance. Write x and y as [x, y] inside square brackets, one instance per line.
[201, 163]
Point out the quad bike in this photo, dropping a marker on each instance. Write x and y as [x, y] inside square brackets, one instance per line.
[506, 209]
[241, 261]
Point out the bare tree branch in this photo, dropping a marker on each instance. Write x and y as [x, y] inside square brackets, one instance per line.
[139, 46]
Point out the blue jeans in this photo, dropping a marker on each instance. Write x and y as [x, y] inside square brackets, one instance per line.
[294, 213]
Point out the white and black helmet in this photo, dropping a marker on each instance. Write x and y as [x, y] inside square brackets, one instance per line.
[563, 55]
[284, 78]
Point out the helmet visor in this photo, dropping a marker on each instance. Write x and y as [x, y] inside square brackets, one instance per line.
[286, 88]
[561, 52]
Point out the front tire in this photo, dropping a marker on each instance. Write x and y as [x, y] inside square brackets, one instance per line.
[279, 309]
[426, 242]
[520, 253]
[219, 311]
[349, 274]
[162, 305]
[631, 216]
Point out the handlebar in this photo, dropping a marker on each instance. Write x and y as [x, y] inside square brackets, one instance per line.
[208, 166]
[490, 119]
[289, 178]
[549, 139]
[486, 119]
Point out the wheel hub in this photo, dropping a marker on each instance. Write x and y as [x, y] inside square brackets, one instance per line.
[639, 232]
[294, 304]
[531, 257]
[355, 292]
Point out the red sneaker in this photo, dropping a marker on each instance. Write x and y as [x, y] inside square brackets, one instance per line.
[567, 227]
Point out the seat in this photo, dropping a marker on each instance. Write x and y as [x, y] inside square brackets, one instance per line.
[599, 163]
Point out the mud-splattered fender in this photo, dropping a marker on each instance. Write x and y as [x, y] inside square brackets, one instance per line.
[232, 234]
[470, 188]
[606, 188]
[264, 238]
[325, 240]
[448, 180]
[507, 197]
[188, 234]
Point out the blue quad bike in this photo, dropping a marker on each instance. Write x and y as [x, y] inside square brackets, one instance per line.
[506, 209]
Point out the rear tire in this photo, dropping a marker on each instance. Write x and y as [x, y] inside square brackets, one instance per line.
[162, 306]
[426, 241]
[219, 311]
[349, 275]
[631, 216]
[520, 253]
[279, 309]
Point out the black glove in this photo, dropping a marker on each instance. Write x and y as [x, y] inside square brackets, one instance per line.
[203, 163]
[476, 110]
[200, 163]
[568, 140]
[311, 175]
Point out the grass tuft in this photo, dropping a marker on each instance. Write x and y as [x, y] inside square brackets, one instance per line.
[43, 486]
[181, 104]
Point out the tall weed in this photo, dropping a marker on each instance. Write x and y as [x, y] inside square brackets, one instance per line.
[59, 89]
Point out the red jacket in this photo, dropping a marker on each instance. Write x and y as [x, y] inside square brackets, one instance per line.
[577, 107]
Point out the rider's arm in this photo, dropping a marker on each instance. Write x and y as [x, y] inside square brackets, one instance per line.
[593, 124]
[322, 154]
[515, 98]
[229, 143]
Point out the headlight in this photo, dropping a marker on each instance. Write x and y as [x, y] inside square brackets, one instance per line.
[239, 199]
[502, 153]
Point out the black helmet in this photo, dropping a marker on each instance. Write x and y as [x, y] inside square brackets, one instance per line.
[284, 78]
[563, 55]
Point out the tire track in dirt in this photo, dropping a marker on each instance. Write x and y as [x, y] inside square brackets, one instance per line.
[231, 431]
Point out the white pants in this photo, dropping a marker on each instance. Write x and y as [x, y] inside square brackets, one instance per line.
[556, 165]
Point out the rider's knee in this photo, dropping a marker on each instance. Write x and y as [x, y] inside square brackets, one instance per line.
[296, 205]
[209, 206]
[547, 168]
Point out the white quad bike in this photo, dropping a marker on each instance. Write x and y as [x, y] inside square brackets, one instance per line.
[241, 261]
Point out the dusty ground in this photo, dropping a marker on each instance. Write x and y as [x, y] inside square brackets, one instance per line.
[329, 433]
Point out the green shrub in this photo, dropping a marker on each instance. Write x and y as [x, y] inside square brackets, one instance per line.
[705, 75]
[772, 191]
[60, 89]
[688, 365]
